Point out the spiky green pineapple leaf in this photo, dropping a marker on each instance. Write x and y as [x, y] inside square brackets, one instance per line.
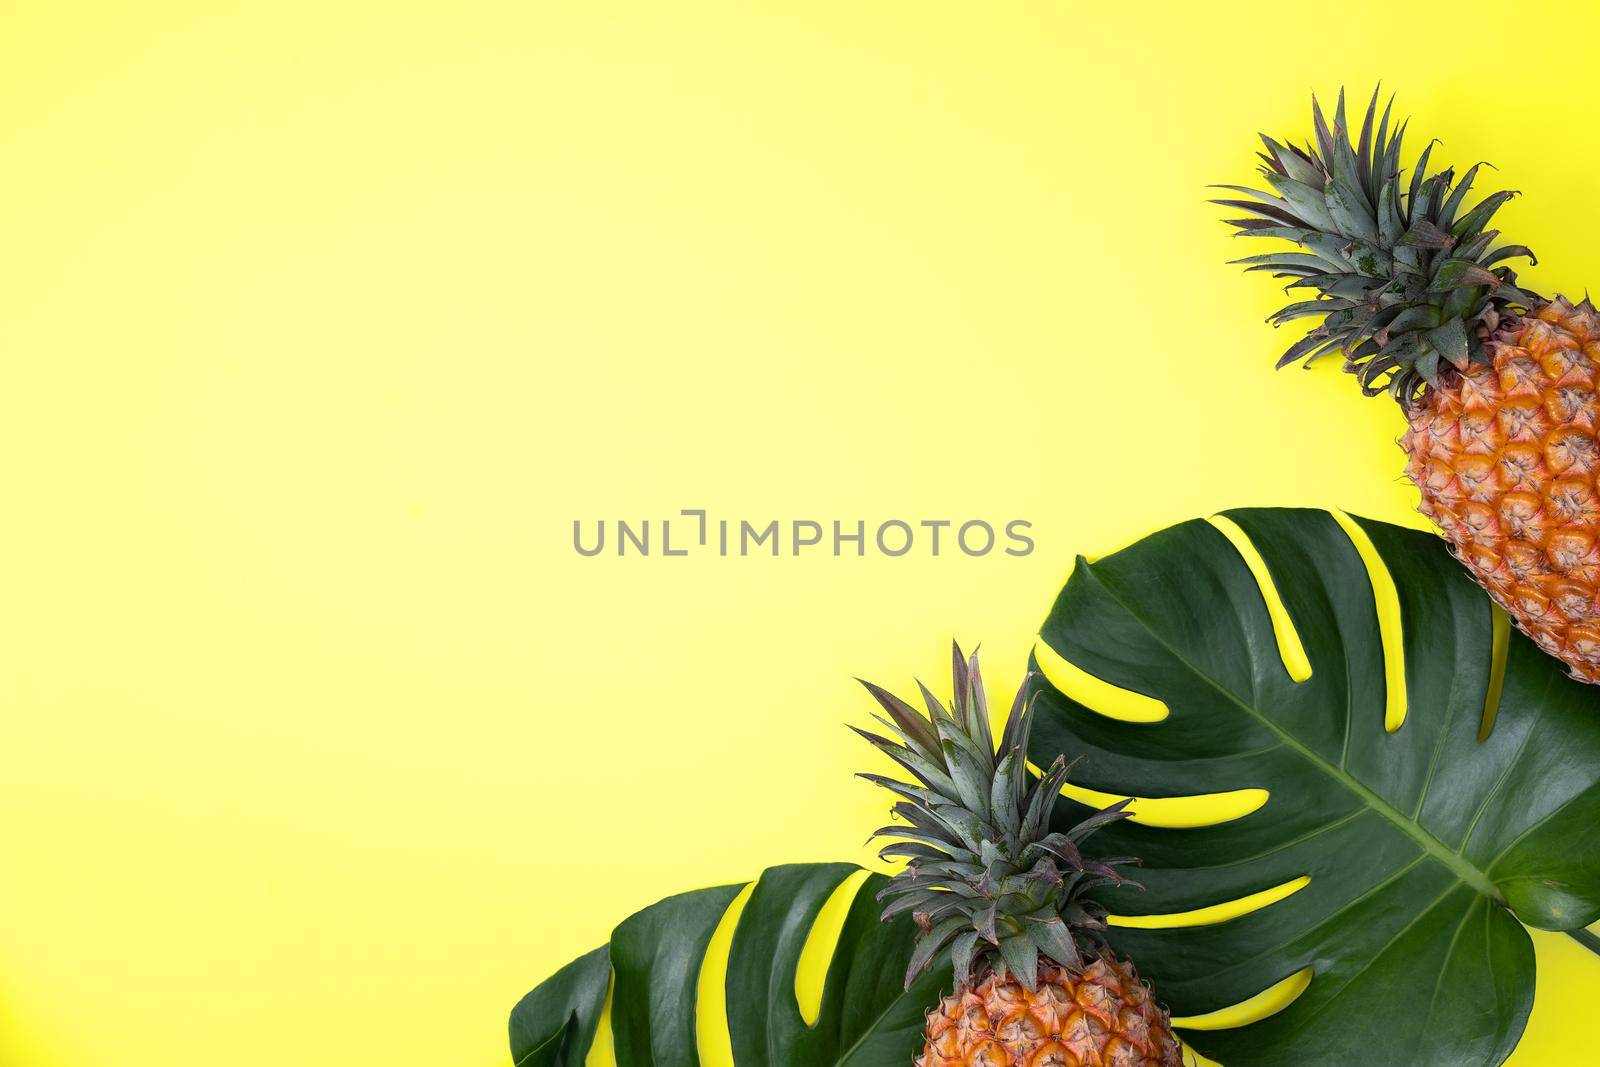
[1367, 246]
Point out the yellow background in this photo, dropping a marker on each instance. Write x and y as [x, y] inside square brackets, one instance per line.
[322, 322]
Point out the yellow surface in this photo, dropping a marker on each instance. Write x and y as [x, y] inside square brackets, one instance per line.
[811, 972]
[321, 323]
[1213, 913]
[1387, 600]
[1290, 649]
[1201, 810]
[603, 1050]
[713, 1042]
[1269, 1001]
[1094, 693]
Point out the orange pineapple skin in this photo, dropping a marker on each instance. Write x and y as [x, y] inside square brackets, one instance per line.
[1506, 456]
[1104, 1017]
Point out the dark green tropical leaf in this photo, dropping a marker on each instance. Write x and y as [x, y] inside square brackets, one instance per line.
[652, 966]
[570, 1002]
[1428, 849]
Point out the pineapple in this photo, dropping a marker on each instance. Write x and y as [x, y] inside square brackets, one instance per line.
[985, 876]
[1498, 385]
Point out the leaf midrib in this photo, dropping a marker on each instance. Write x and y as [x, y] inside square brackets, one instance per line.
[872, 1029]
[1456, 863]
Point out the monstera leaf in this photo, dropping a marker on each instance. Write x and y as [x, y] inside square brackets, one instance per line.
[652, 969]
[1399, 866]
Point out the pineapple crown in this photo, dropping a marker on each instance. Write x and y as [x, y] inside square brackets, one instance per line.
[1406, 278]
[984, 873]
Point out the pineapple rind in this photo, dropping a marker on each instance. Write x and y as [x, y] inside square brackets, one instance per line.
[1506, 457]
[1103, 1016]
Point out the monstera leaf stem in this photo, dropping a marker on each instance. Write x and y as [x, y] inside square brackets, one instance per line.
[1588, 940]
